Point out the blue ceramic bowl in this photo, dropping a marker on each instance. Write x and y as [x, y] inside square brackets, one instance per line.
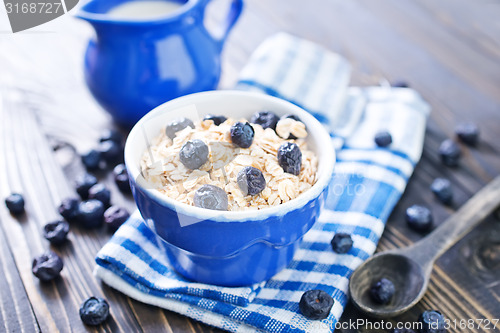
[227, 248]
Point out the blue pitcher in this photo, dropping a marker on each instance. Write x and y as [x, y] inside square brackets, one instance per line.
[148, 52]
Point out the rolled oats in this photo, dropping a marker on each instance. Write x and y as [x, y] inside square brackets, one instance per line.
[162, 167]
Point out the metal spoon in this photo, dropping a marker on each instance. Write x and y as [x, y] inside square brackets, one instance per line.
[410, 268]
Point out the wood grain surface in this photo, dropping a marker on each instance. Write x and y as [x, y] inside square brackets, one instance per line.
[448, 50]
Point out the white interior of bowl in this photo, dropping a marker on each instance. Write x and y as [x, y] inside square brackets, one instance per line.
[234, 104]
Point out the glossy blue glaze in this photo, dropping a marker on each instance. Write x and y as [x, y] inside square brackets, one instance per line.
[230, 248]
[133, 66]
[233, 253]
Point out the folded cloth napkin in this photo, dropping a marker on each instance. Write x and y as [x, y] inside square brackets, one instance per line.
[367, 183]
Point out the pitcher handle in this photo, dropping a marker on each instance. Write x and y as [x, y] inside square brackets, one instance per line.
[233, 15]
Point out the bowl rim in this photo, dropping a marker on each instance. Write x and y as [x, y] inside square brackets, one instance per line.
[320, 133]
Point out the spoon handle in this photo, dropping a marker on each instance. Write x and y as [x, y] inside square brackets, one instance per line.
[426, 251]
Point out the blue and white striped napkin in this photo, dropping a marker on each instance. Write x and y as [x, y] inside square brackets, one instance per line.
[367, 183]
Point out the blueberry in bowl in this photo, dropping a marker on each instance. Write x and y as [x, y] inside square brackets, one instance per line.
[266, 119]
[244, 246]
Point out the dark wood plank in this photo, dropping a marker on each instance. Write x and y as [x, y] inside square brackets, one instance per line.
[33, 172]
[16, 314]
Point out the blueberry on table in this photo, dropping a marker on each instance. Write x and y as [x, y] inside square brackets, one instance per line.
[56, 232]
[84, 183]
[341, 243]
[69, 209]
[111, 135]
[115, 216]
[193, 154]
[15, 203]
[110, 151]
[120, 175]
[441, 188]
[91, 159]
[432, 322]
[47, 266]
[216, 119]
[242, 134]
[400, 84]
[450, 152]
[90, 213]
[100, 192]
[266, 119]
[468, 133]
[94, 311]
[315, 304]
[419, 218]
[290, 158]
[177, 125]
[383, 139]
[251, 181]
[381, 291]
[211, 197]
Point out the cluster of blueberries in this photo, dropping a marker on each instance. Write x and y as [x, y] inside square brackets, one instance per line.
[316, 304]
[251, 181]
[419, 217]
[91, 210]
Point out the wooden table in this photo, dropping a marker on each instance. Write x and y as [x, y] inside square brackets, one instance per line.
[449, 50]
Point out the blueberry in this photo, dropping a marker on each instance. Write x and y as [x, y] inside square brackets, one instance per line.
[194, 154]
[94, 311]
[90, 213]
[91, 159]
[47, 266]
[115, 216]
[450, 152]
[419, 218]
[15, 203]
[55, 232]
[266, 119]
[383, 139]
[216, 119]
[432, 321]
[69, 209]
[294, 117]
[291, 116]
[84, 183]
[177, 125]
[341, 242]
[468, 133]
[110, 151]
[101, 193]
[290, 158]
[111, 135]
[381, 291]
[441, 188]
[251, 181]
[400, 84]
[211, 197]
[242, 134]
[315, 304]
[403, 330]
[120, 175]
